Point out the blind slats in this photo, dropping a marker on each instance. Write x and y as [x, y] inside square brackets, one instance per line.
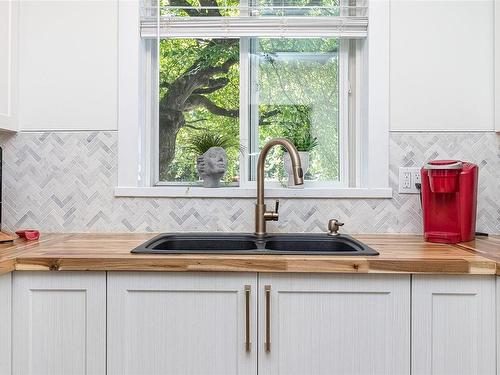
[255, 26]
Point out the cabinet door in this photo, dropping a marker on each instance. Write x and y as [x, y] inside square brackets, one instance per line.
[453, 325]
[334, 324]
[5, 323]
[498, 323]
[181, 323]
[8, 64]
[59, 323]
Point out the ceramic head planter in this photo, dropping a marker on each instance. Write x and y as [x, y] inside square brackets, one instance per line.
[212, 166]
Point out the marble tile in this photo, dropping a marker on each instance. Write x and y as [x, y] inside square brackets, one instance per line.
[64, 182]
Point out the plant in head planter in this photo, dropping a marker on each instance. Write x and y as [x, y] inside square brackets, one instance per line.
[302, 138]
[211, 158]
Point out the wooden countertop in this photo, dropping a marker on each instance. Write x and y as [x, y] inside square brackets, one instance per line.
[111, 252]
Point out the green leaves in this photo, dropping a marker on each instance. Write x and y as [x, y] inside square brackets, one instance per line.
[304, 141]
[201, 142]
[300, 135]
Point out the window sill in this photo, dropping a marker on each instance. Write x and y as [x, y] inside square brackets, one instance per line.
[237, 192]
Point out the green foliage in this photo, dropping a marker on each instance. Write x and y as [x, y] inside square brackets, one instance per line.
[301, 137]
[296, 81]
[299, 78]
[199, 143]
[176, 58]
[294, 123]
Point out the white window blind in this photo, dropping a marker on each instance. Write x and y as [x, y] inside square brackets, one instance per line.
[339, 21]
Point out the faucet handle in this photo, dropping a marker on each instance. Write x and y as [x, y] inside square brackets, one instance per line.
[272, 215]
[334, 226]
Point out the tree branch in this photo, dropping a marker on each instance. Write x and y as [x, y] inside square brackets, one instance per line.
[186, 125]
[195, 121]
[202, 101]
[210, 3]
[188, 7]
[177, 97]
[224, 68]
[272, 113]
[213, 85]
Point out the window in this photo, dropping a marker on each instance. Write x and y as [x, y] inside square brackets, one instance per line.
[292, 91]
[295, 93]
[248, 73]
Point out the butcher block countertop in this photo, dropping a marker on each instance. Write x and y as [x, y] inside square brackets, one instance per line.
[111, 252]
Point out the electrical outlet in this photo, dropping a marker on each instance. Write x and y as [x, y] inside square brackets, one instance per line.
[408, 177]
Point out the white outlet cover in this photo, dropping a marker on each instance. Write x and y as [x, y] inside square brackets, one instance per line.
[408, 177]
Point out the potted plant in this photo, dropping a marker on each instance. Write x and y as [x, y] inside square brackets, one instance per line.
[211, 157]
[303, 140]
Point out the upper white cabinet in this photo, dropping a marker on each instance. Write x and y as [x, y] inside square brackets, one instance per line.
[5, 323]
[334, 324]
[453, 325]
[59, 323]
[8, 64]
[68, 65]
[442, 65]
[182, 323]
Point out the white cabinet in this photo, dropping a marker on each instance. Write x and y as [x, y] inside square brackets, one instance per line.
[5, 323]
[334, 324]
[68, 65]
[498, 325]
[453, 325]
[59, 323]
[181, 323]
[8, 64]
[244, 323]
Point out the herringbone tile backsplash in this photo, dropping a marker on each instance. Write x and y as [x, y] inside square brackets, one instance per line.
[63, 182]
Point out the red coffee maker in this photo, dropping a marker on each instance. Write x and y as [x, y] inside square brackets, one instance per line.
[449, 200]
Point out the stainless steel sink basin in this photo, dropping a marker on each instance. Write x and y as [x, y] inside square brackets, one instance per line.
[237, 243]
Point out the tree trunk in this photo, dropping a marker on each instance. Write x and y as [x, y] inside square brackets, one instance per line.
[170, 123]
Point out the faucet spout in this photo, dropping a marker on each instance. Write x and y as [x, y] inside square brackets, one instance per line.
[261, 215]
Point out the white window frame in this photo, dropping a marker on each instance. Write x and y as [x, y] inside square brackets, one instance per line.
[136, 140]
[246, 126]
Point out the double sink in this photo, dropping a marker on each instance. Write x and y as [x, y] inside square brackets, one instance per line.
[241, 243]
[331, 243]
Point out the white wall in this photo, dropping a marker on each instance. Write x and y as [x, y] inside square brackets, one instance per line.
[442, 65]
[68, 65]
[442, 72]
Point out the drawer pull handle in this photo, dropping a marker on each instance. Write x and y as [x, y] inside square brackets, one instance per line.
[267, 343]
[247, 318]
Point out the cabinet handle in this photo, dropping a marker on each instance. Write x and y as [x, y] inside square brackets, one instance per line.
[267, 343]
[247, 317]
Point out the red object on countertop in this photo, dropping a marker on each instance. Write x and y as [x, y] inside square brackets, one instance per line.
[29, 234]
[449, 200]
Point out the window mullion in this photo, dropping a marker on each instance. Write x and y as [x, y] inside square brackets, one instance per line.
[245, 102]
[254, 108]
[352, 126]
[149, 113]
[244, 110]
[343, 112]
